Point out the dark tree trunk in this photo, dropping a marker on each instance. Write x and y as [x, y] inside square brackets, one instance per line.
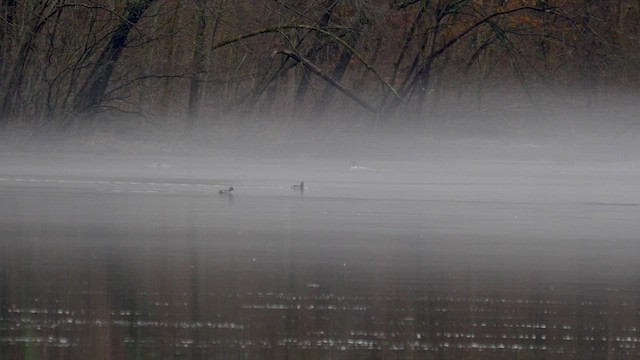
[198, 59]
[15, 75]
[304, 85]
[8, 13]
[91, 94]
[340, 68]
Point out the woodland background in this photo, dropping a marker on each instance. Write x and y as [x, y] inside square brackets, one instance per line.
[432, 65]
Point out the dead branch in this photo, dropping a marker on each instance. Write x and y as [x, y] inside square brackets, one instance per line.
[316, 70]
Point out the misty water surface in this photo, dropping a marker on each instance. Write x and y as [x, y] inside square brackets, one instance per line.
[111, 257]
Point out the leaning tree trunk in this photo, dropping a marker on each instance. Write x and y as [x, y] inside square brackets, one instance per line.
[304, 85]
[352, 38]
[198, 63]
[92, 92]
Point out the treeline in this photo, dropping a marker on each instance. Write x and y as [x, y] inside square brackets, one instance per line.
[69, 62]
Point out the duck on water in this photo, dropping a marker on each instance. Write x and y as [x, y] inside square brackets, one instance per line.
[299, 187]
[226, 190]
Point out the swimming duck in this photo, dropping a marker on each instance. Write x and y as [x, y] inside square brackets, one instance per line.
[298, 186]
[226, 190]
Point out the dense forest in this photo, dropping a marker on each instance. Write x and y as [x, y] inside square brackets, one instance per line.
[65, 63]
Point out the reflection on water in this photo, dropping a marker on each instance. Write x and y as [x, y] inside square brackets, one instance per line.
[110, 289]
[105, 294]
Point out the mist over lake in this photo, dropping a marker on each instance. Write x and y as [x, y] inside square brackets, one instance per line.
[134, 256]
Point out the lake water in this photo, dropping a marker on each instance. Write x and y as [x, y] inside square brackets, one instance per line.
[141, 258]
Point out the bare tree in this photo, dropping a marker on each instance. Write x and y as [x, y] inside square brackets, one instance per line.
[70, 59]
[91, 93]
[198, 64]
[42, 12]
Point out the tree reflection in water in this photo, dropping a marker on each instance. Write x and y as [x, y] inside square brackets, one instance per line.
[103, 293]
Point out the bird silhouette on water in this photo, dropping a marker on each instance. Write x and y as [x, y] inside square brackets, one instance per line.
[299, 187]
[226, 190]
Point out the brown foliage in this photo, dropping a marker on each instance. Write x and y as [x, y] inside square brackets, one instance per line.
[58, 59]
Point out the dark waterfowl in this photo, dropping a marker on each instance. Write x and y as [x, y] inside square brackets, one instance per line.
[226, 190]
